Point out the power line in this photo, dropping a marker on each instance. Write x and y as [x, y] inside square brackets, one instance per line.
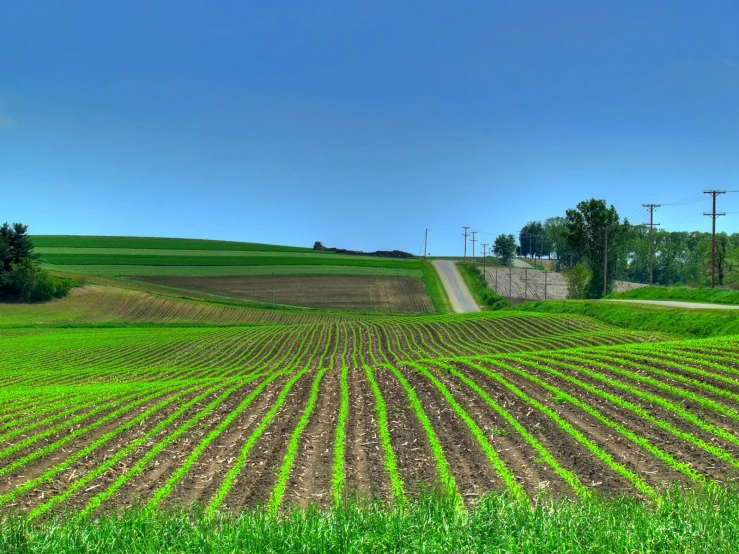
[473, 245]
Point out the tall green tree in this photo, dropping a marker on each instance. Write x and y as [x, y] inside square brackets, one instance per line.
[20, 277]
[555, 234]
[588, 228]
[15, 244]
[504, 248]
[532, 239]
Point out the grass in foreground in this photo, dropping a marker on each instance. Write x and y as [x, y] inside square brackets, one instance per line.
[714, 296]
[677, 322]
[685, 522]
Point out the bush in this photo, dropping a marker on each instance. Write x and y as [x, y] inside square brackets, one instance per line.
[27, 283]
[479, 288]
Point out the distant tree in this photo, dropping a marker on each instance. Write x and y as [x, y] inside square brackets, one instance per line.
[587, 229]
[20, 277]
[555, 234]
[504, 248]
[16, 244]
[532, 239]
[318, 245]
[723, 263]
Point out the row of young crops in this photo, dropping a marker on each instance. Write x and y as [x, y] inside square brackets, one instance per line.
[92, 419]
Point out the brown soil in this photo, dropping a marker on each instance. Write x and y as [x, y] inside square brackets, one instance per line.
[343, 292]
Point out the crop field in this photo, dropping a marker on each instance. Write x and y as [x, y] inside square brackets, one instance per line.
[312, 412]
[135, 256]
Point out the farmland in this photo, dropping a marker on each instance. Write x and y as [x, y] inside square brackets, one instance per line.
[234, 270]
[174, 411]
[298, 413]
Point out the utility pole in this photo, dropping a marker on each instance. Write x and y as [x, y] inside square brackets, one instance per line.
[425, 242]
[484, 247]
[473, 245]
[510, 283]
[465, 235]
[713, 215]
[571, 295]
[605, 267]
[273, 288]
[525, 283]
[652, 225]
[545, 284]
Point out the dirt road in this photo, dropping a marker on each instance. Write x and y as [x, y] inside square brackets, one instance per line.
[459, 295]
[675, 304]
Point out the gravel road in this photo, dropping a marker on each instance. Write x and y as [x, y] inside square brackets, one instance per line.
[675, 304]
[459, 295]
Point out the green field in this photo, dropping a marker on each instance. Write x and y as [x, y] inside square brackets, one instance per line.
[79, 241]
[716, 296]
[195, 424]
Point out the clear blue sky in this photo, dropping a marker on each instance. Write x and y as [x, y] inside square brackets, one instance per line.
[360, 123]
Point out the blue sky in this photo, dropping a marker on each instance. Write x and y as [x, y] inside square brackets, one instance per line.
[360, 123]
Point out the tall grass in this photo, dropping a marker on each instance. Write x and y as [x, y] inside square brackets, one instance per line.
[485, 297]
[673, 321]
[715, 296]
[686, 522]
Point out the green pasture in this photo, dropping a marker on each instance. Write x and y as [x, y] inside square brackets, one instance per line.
[81, 241]
[150, 252]
[683, 294]
[677, 322]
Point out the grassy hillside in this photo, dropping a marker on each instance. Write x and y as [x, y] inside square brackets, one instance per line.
[80, 241]
[643, 317]
[140, 256]
[715, 296]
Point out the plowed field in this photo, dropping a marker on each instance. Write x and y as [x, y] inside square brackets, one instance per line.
[344, 292]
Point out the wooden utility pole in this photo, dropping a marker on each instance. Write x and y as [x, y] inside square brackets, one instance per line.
[652, 225]
[545, 283]
[484, 247]
[425, 242]
[465, 235]
[605, 267]
[713, 215]
[510, 283]
[525, 283]
[571, 295]
[473, 233]
[273, 289]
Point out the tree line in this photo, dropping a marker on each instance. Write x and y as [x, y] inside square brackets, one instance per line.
[21, 278]
[578, 243]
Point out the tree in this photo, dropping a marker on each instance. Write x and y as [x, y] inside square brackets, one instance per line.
[588, 226]
[20, 277]
[580, 280]
[555, 234]
[723, 263]
[16, 244]
[504, 248]
[532, 239]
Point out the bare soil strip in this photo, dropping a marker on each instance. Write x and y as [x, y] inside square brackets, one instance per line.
[310, 479]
